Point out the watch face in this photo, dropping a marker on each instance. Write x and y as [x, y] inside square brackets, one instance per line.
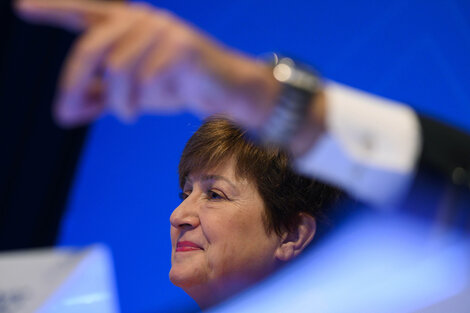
[299, 84]
[282, 72]
[295, 74]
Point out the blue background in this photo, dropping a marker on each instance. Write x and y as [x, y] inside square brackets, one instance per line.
[414, 51]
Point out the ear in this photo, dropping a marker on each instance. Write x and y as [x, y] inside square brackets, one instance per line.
[294, 242]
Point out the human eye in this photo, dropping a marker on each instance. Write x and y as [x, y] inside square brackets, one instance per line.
[183, 195]
[216, 195]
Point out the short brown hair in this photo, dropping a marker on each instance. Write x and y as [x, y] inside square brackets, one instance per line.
[284, 192]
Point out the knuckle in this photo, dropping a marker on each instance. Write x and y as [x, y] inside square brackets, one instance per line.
[182, 42]
[141, 11]
[117, 10]
[141, 6]
[128, 12]
[164, 15]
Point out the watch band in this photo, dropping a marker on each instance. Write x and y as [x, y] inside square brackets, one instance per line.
[299, 85]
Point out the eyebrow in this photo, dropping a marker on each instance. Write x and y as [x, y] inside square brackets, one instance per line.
[218, 177]
[206, 178]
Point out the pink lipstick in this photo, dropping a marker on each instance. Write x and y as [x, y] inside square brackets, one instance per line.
[183, 246]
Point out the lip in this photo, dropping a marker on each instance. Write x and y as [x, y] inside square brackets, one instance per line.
[185, 246]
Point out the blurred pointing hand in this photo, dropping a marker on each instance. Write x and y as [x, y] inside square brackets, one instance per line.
[133, 58]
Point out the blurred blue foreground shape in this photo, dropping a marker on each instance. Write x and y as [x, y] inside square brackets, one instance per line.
[378, 262]
[57, 280]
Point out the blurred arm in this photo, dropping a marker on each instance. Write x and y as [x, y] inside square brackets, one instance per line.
[134, 59]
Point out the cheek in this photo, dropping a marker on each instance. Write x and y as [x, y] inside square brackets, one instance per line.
[234, 245]
[218, 232]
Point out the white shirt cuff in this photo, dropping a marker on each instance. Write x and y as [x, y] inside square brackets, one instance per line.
[370, 148]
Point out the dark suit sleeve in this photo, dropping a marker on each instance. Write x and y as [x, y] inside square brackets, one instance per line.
[445, 149]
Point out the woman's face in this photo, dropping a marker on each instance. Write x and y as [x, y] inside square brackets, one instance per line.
[219, 241]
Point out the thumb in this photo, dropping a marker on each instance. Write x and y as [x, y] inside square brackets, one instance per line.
[70, 14]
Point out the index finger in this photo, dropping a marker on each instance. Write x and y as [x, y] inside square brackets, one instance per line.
[70, 14]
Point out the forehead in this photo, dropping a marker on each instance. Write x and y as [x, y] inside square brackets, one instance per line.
[224, 171]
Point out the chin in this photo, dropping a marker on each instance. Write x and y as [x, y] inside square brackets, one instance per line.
[185, 278]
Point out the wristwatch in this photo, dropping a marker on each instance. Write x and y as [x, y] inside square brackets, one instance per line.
[299, 85]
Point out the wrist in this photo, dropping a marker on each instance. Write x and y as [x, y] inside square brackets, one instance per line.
[296, 117]
[245, 88]
[313, 127]
[257, 92]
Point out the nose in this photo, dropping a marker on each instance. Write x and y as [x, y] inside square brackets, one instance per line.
[185, 216]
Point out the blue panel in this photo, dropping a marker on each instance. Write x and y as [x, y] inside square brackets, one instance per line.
[414, 51]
